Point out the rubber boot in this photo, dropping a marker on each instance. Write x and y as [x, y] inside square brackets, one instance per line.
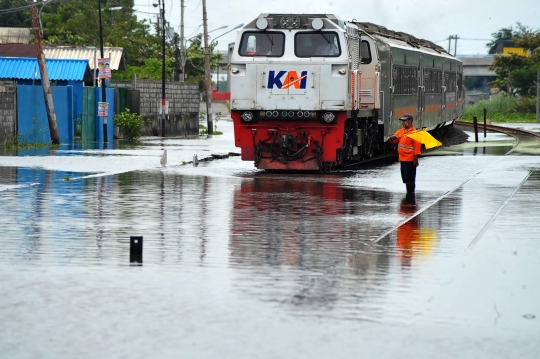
[410, 187]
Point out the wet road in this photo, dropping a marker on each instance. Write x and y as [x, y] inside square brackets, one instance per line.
[243, 263]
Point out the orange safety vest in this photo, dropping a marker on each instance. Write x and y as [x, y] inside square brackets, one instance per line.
[407, 147]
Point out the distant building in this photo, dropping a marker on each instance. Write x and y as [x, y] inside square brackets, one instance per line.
[477, 76]
[91, 54]
[16, 35]
[508, 47]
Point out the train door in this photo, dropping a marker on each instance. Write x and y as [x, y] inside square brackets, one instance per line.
[443, 91]
[420, 94]
[369, 67]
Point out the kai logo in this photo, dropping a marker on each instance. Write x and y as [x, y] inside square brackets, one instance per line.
[285, 80]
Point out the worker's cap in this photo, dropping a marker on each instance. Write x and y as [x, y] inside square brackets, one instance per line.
[406, 117]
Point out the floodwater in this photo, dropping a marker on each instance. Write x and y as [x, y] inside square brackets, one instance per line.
[243, 263]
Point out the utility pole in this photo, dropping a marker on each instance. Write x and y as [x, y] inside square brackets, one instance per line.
[537, 94]
[103, 89]
[47, 93]
[177, 69]
[163, 99]
[207, 74]
[450, 38]
[182, 43]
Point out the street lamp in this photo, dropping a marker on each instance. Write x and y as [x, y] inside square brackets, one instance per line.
[207, 54]
[163, 98]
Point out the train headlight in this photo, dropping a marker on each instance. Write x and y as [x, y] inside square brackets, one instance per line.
[329, 117]
[247, 116]
[262, 23]
[317, 24]
[292, 22]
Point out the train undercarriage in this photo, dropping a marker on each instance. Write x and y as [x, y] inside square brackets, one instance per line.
[312, 146]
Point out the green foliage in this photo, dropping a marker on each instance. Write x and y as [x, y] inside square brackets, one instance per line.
[195, 61]
[506, 33]
[15, 19]
[520, 69]
[503, 109]
[130, 124]
[152, 70]
[76, 23]
[525, 105]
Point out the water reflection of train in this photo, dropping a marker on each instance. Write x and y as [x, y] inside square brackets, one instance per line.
[310, 92]
[280, 221]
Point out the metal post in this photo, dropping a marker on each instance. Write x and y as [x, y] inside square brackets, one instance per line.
[207, 74]
[136, 249]
[449, 40]
[475, 122]
[485, 121]
[163, 99]
[182, 42]
[176, 59]
[103, 89]
[217, 85]
[47, 93]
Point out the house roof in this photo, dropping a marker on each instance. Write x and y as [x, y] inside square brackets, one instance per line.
[18, 50]
[116, 55]
[25, 68]
[91, 54]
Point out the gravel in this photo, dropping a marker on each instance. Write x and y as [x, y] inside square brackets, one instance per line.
[453, 136]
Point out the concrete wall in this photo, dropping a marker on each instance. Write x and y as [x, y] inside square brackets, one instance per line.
[184, 99]
[8, 112]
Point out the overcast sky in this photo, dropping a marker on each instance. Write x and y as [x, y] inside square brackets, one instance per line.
[472, 20]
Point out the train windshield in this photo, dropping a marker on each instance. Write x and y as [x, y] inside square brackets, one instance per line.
[317, 44]
[265, 43]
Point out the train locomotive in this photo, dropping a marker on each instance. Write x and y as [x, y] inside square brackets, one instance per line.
[313, 92]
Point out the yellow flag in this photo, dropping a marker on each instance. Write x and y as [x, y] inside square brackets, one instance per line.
[425, 138]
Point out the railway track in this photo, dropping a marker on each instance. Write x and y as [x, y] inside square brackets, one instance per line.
[514, 132]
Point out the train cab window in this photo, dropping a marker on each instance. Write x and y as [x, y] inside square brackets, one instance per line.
[365, 52]
[317, 44]
[267, 43]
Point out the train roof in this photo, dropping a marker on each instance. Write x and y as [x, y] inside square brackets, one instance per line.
[382, 31]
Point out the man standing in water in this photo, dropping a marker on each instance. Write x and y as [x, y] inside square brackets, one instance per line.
[408, 151]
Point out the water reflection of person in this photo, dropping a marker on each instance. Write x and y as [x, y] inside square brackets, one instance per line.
[408, 232]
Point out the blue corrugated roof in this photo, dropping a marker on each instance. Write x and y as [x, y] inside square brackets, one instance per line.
[27, 68]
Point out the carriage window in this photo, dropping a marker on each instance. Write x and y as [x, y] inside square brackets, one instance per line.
[365, 52]
[405, 80]
[259, 43]
[317, 44]
[433, 81]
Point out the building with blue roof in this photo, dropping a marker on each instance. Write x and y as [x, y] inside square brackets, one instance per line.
[25, 70]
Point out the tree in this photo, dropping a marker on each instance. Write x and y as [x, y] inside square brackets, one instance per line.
[195, 60]
[77, 23]
[521, 69]
[16, 18]
[506, 33]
